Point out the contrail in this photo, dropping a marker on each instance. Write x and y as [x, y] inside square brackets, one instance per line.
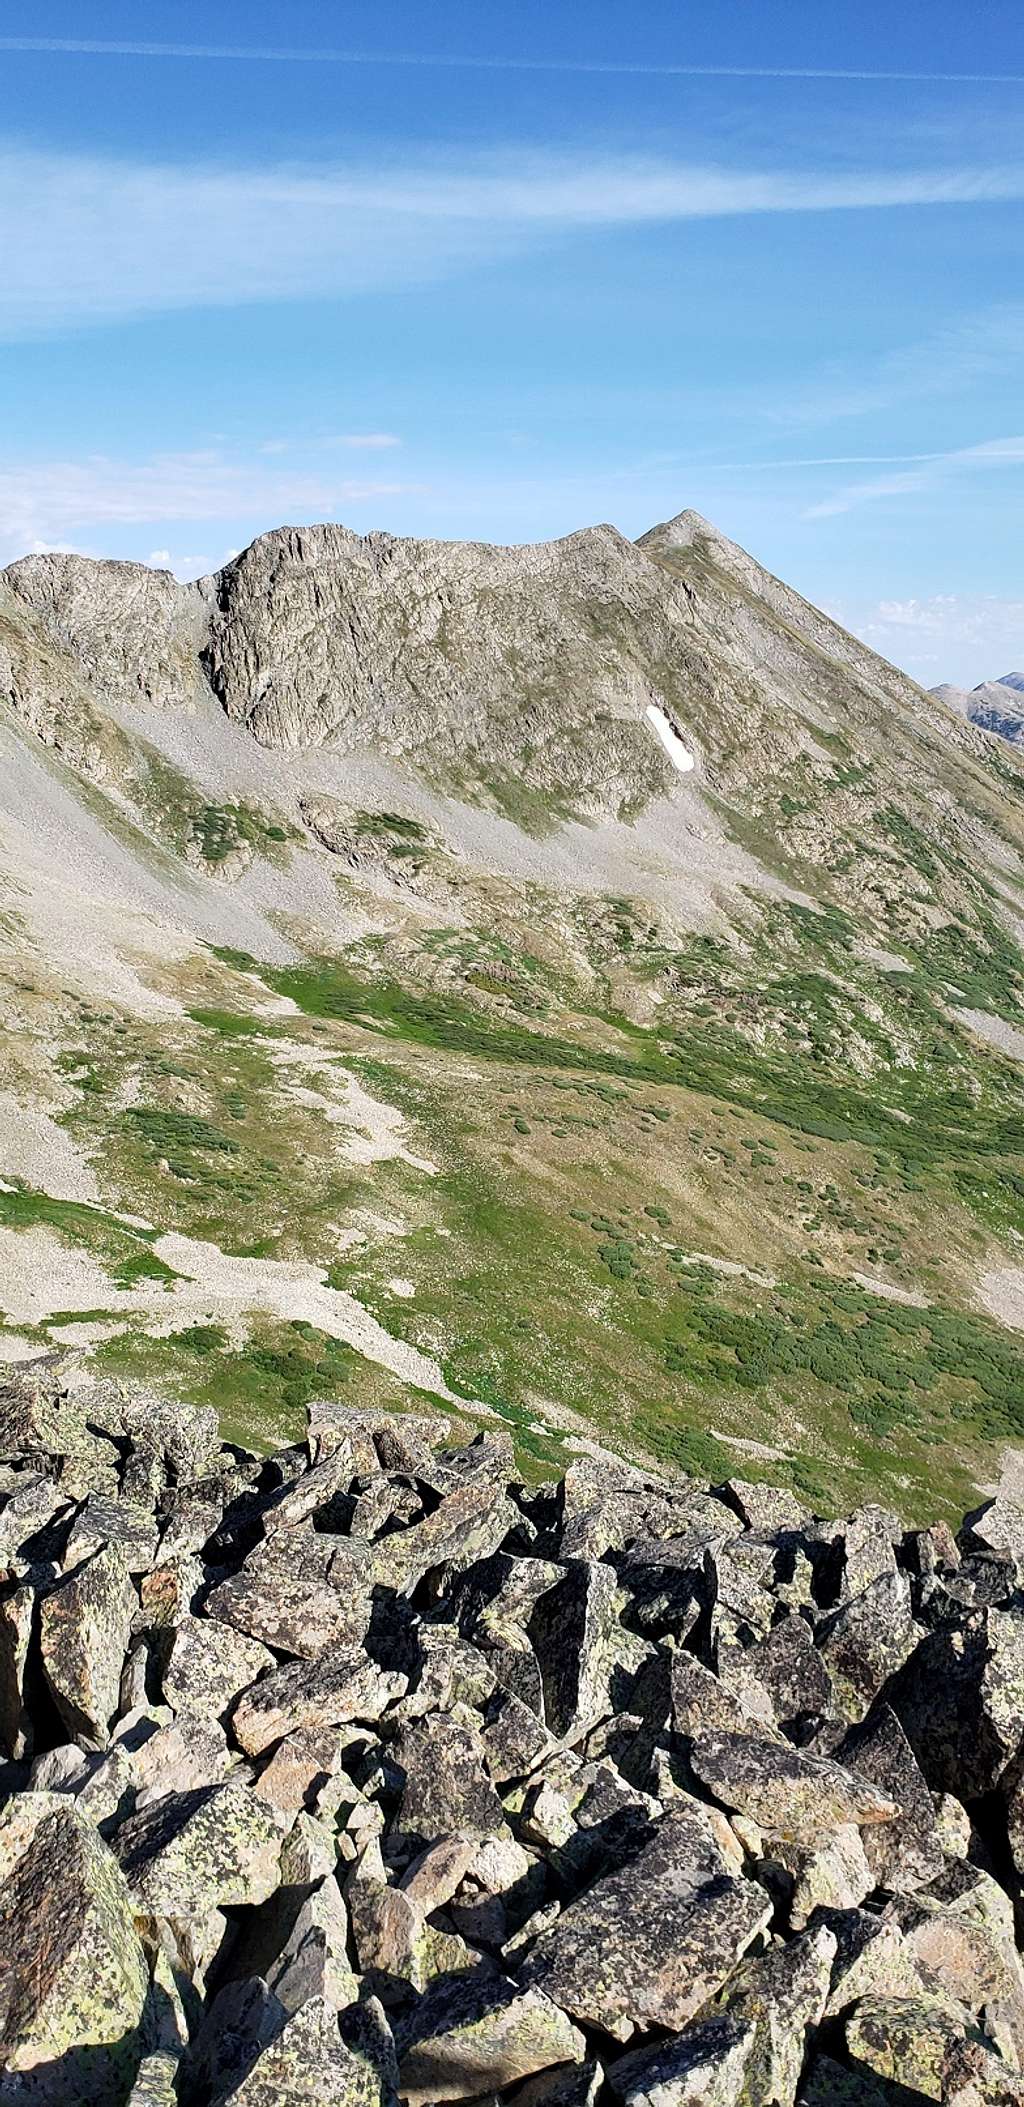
[97, 48]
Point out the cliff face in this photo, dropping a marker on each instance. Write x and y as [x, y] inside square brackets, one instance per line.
[363, 1773]
[464, 658]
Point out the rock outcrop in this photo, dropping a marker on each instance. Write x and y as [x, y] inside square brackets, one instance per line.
[364, 1774]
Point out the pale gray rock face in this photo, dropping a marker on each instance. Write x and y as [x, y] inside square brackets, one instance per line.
[994, 705]
[133, 630]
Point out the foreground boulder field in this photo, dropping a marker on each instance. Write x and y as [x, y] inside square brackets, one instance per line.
[363, 1773]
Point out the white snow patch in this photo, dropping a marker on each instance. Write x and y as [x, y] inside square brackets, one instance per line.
[679, 755]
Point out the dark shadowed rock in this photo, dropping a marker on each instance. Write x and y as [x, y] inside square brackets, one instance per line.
[446, 1787]
[476, 2036]
[576, 1635]
[904, 1853]
[17, 1624]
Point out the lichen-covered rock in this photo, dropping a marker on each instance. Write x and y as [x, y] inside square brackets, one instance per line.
[318, 1693]
[209, 1664]
[782, 1997]
[906, 1852]
[156, 2082]
[868, 1641]
[704, 2066]
[312, 1960]
[299, 1592]
[575, 1633]
[787, 1669]
[447, 1788]
[651, 1942]
[73, 1975]
[701, 1700]
[905, 2040]
[17, 1623]
[802, 1798]
[480, 2034]
[102, 1520]
[189, 1852]
[307, 2065]
[471, 1522]
[85, 1628]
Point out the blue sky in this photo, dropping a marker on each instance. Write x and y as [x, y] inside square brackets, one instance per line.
[500, 273]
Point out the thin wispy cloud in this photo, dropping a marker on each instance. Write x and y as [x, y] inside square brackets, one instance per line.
[967, 353]
[932, 470]
[88, 240]
[327, 55]
[48, 503]
[962, 637]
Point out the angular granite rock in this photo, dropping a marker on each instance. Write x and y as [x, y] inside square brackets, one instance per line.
[299, 1592]
[791, 1795]
[318, 1693]
[73, 1975]
[189, 1852]
[652, 1941]
[704, 2066]
[476, 2035]
[85, 1628]
[307, 2065]
[905, 1853]
[447, 1788]
[209, 1664]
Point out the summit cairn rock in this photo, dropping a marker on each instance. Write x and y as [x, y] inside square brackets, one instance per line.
[361, 1774]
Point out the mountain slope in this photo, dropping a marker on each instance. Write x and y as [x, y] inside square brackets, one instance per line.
[390, 1003]
[994, 705]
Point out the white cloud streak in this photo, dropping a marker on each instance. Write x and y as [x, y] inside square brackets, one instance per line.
[959, 637]
[97, 47]
[48, 503]
[89, 240]
[932, 470]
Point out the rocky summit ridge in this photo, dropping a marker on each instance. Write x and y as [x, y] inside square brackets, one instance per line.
[994, 705]
[364, 1773]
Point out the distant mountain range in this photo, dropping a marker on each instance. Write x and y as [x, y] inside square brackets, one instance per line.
[994, 705]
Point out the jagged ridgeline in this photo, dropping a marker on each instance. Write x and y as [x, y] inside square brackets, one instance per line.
[578, 987]
[366, 1773]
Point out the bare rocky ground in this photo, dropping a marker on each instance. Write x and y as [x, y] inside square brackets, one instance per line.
[364, 1774]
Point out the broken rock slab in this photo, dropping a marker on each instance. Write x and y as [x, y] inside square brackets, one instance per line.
[73, 1976]
[473, 2035]
[652, 1941]
[801, 1798]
